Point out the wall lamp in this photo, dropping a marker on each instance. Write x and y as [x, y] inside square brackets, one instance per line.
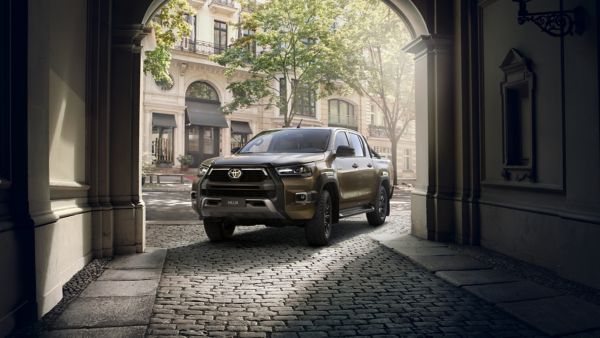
[555, 23]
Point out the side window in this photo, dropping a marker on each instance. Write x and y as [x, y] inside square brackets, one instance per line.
[340, 140]
[359, 151]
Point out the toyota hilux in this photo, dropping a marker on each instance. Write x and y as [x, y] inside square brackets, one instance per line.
[309, 177]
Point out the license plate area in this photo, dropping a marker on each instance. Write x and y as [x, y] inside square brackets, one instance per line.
[233, 202]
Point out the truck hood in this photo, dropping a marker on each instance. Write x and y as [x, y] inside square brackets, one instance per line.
[267, 159]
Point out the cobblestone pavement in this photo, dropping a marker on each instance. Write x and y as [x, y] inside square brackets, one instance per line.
[266, 282]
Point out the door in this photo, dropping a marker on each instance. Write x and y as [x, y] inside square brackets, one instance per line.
[202, 143]
[364, 173]
[345, 171]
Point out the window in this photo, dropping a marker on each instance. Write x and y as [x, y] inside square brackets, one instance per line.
[283, 96]
[220, 36]
[194, 139]
[238, 140]
[357, 145]
[208, 141]
[252, 44]
[305, 102]
[341, 113]
[202, 91]
[406, 159]
[294, 140]
[340, 140]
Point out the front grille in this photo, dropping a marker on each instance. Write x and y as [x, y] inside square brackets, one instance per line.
[242, 193]
[248, 175]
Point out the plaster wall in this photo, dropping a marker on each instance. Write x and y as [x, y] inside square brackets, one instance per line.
[550, 221]
[58, 135]
[67, 56]
[12, 289]
[62, 249]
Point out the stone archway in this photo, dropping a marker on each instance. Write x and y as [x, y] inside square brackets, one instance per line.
[433, 211]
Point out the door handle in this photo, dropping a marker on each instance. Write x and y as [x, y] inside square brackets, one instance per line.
[370, 165]
[355, 166]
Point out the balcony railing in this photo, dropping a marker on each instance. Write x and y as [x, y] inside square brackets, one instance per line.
[223, 7]
[377, 131]
[200, 47]
[228, 3]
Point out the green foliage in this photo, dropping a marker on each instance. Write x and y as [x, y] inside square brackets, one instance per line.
[381, 70]
[169, 26]
[301, 41]
[185, 159]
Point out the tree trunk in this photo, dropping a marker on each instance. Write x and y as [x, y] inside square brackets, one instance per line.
[395, 158]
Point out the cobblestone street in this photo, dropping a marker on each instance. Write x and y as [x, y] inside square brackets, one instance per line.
[267, 282]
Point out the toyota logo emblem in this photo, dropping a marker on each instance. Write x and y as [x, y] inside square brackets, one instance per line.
[234, 173]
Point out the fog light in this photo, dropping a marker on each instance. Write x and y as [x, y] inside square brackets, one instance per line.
[301, 197]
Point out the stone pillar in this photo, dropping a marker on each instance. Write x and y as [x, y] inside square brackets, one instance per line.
[432, 205]
[98, 129]
[147, 138]
[125, 147]
[179, 135]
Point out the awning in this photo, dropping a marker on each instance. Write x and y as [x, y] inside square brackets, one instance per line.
[163, 120]
[239, 127]
[205, 114]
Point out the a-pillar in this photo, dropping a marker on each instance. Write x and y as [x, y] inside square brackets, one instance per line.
[432, 199]
[125, 145]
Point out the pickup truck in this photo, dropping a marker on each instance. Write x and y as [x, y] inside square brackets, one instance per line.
[309, 177]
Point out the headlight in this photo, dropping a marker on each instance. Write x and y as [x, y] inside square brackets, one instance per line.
[302, 170]
[202, 170]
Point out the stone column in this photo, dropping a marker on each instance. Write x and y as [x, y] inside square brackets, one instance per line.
[179, 135]
[98, 129]
[125, 147]
[432, 205]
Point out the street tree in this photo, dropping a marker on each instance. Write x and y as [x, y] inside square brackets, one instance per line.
[382, 71]
[300, 51]
[170, 25]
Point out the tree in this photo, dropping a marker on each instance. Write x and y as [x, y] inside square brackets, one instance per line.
[383, 71]
[301, 51]
[170, 25]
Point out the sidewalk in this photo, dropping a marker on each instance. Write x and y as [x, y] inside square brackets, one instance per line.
[118, 304]
[546, 309]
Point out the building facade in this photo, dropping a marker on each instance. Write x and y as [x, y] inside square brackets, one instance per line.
[185, 119]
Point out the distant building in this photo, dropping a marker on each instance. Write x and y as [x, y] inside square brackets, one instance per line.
[185, 118]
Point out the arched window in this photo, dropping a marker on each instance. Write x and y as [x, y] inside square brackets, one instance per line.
[202, 91]
[341, 114]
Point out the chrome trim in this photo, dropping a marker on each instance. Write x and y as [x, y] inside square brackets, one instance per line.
[264, 171]
[245, 211]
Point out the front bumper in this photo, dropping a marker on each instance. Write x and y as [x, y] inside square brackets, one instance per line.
[269, 199]
[251, 208]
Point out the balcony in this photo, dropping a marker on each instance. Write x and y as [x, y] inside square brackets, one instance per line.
[377, 131]
[197, 4]
[224, 7]
[200, 47]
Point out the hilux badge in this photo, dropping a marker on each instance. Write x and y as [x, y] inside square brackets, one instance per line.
[234, 173]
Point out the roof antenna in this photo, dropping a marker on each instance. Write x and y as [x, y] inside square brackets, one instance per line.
[299, 123]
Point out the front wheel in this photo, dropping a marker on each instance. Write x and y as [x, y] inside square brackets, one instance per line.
[318, 229]
[377, 216]
[217, 230]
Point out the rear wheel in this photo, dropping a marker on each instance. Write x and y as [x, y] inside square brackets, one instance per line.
[217, 230]
[318, 229]
[377, 216]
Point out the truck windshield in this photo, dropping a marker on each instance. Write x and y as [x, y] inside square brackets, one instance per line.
[289, 141]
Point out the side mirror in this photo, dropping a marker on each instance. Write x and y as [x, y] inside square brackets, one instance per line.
[235, 150]
[344, 151]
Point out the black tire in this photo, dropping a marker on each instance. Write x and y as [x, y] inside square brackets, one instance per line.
[377, 216]
[318, 229]
[217, 231]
